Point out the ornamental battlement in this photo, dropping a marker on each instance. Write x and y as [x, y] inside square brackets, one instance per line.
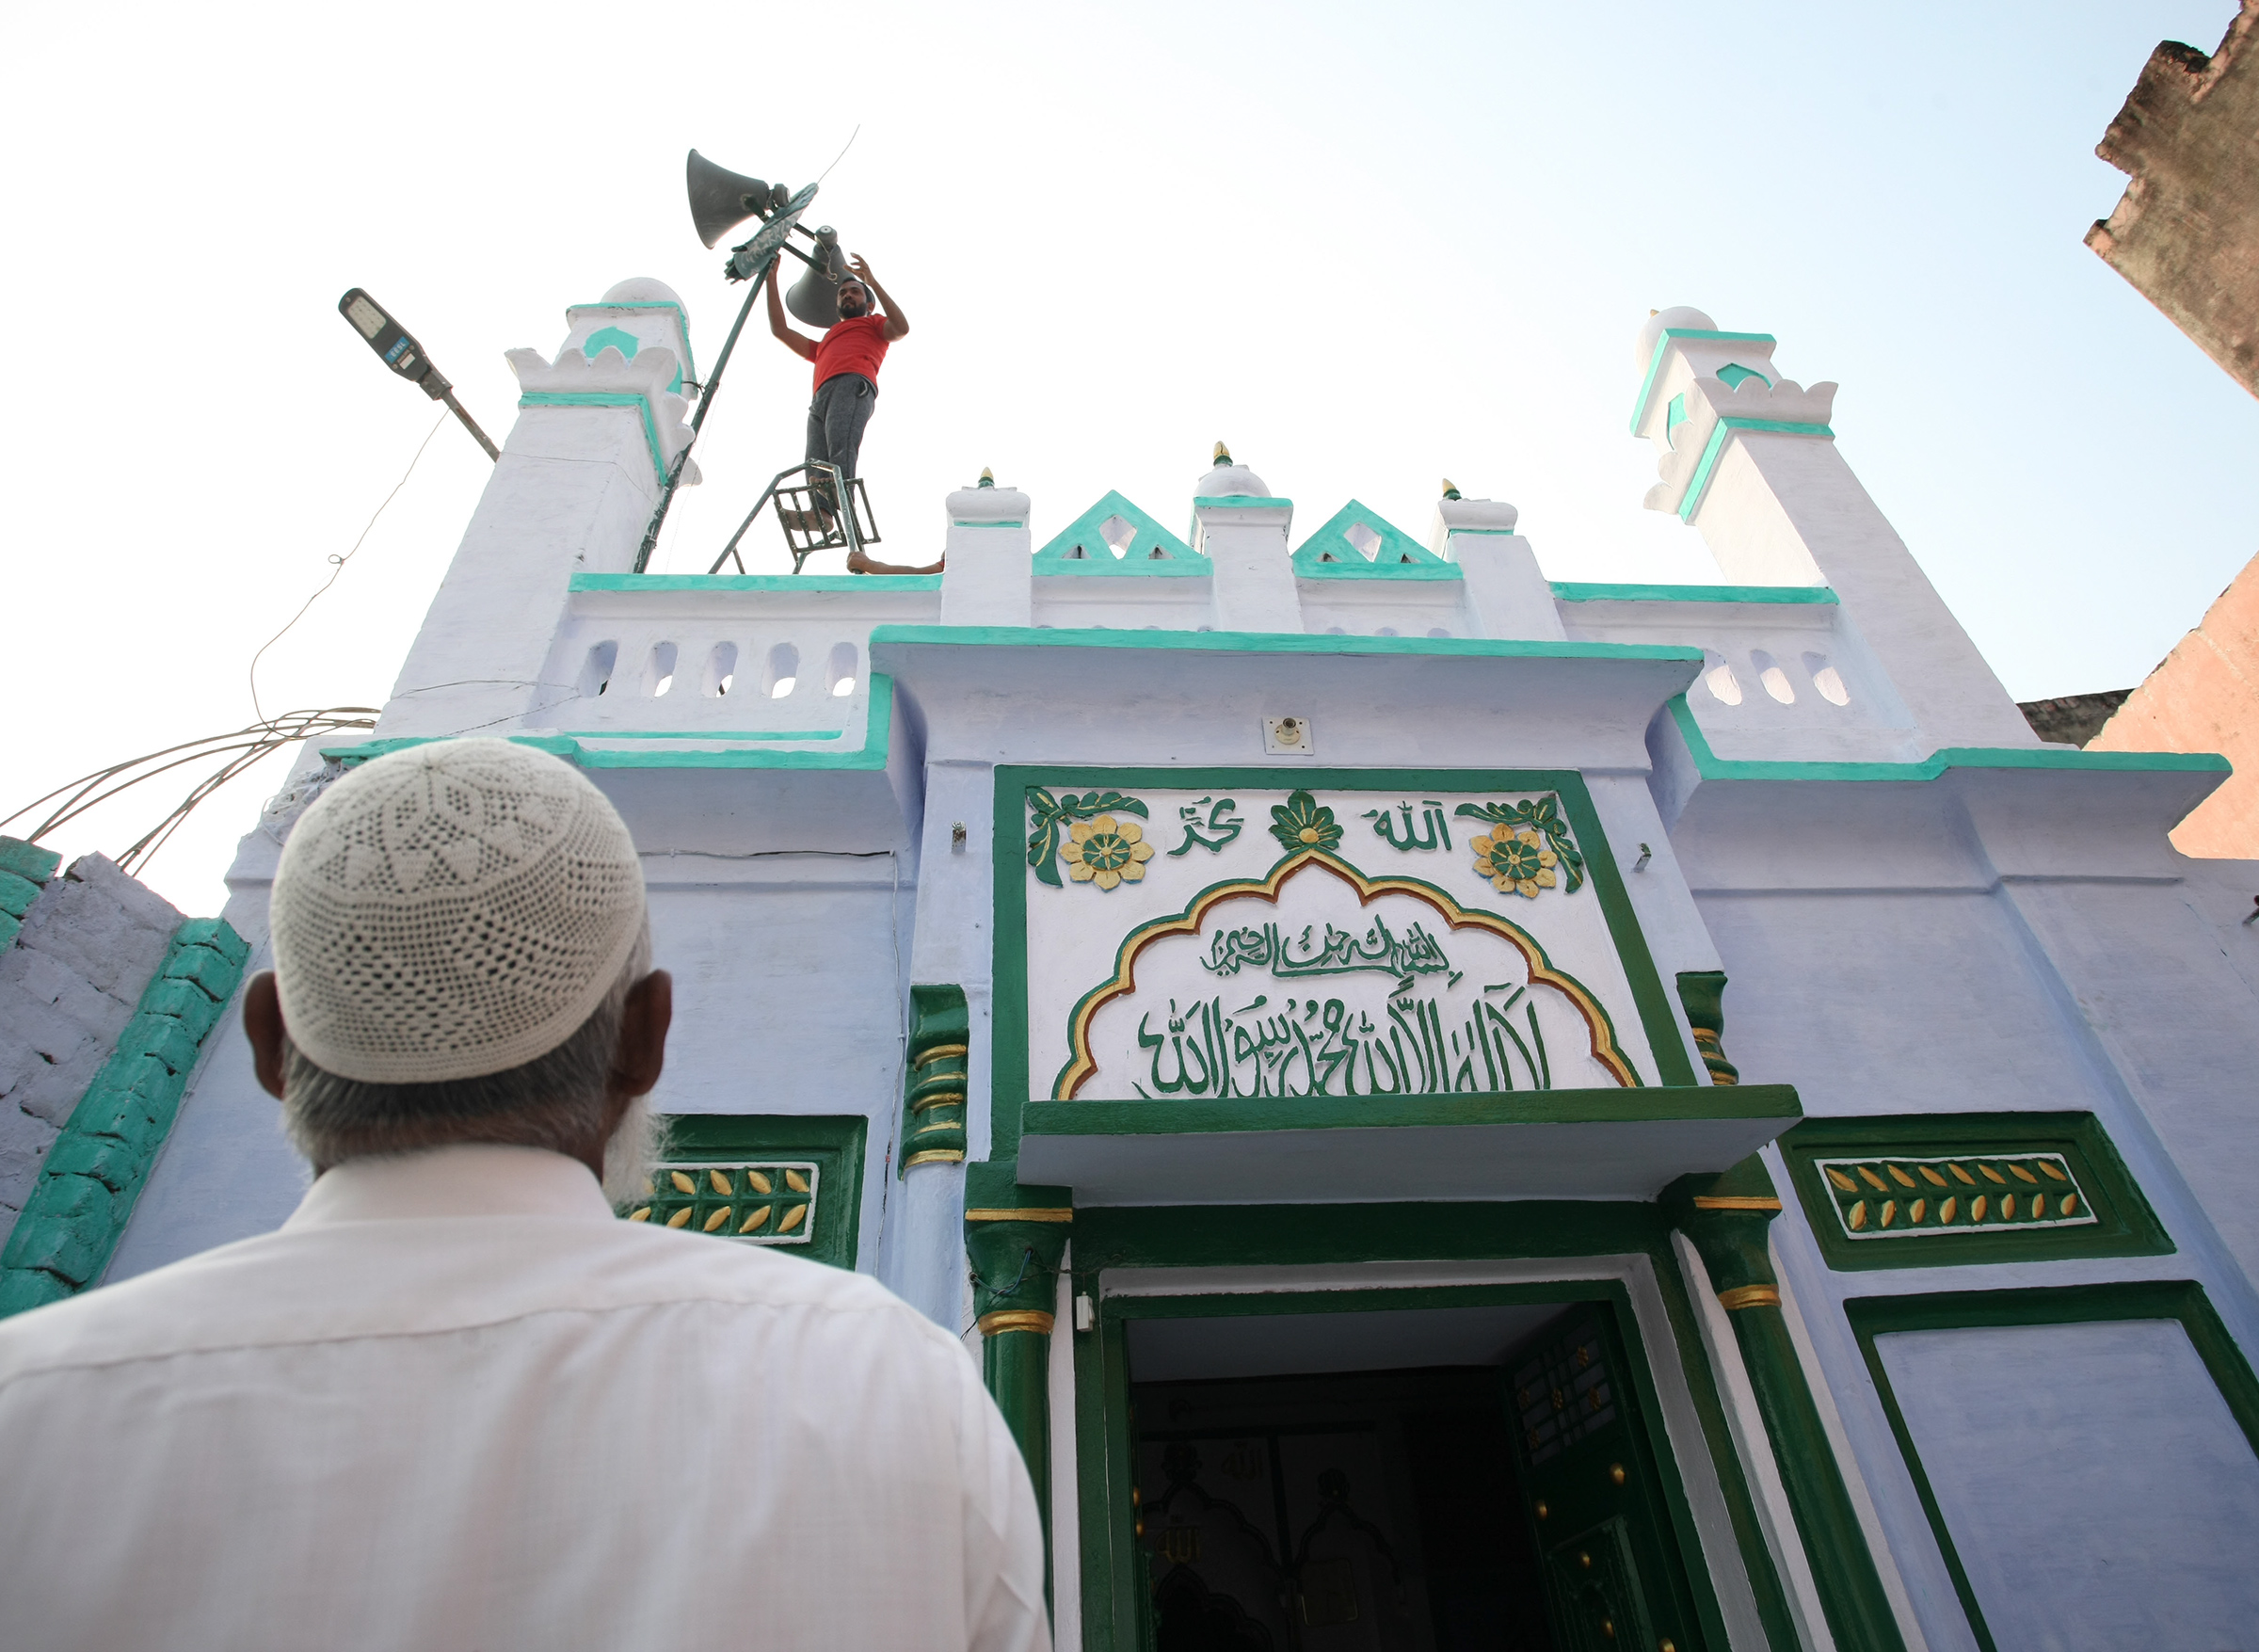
[1821, 641]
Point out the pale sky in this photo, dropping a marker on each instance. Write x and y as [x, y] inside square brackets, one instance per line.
[1369, 246]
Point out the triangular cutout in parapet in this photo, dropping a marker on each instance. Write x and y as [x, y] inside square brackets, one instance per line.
[1358, 541]
[1114, 537]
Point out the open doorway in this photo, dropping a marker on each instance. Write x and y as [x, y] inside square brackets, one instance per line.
[1414, 1481]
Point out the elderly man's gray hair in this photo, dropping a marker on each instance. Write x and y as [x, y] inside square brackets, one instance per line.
[557, 1101]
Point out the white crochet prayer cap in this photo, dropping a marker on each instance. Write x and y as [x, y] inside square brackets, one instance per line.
[451, 909]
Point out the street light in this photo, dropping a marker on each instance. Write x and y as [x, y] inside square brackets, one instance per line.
[399, 349]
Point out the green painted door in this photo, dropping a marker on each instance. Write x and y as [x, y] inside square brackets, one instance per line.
[1613, 1577]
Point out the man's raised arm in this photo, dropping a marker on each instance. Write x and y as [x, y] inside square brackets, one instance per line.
[898, 325]
[799, 344]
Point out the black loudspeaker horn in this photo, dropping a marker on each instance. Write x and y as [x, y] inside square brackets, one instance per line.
[721, 199]
[814, 299]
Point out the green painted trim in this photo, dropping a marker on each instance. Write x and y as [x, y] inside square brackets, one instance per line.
[1731, 1235]
[1572, 591]
[1398, 556]
[682, 315]
[94, 1172]
[1242, 501]
[1000, 523]
[550, 398]
[694, 734]
[756, 581]
[1110, 569]
[835, 1142]
[1648, 1103]
[1713, 767]
[1692, 501]
[28, 860]
[1178, 560]
[1662, 345]
[1269, 642]
[1363, 569]
[877, 733]
[1209, 1235]
[1009, 1091]
[2126, 1225]
[2171, 1299]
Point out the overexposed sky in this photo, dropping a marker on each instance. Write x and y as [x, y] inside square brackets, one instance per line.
[1369, 246]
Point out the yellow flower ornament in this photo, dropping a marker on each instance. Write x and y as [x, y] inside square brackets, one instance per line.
[1515, 862]
[1106, 851]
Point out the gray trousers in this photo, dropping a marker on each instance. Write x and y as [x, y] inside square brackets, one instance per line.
[843, 404]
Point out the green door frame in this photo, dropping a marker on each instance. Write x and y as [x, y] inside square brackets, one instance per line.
[1208, 1238]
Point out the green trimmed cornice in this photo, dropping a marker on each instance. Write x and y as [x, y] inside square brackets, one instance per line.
[1565, 591]
[1710, 767]
[604, 398]
[873, 754]
[1662, 347]
[758, 582]
[1267, 642]
[1699, 483]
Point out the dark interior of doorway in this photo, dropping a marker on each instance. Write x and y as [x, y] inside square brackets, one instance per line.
[1329, 1512]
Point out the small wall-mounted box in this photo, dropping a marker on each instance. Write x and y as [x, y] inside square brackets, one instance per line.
[1287, 737]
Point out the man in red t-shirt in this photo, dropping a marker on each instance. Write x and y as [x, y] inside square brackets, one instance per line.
[846, 359]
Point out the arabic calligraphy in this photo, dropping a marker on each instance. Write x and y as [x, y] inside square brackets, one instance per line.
[1340, 954]
[1313, 1047]
[1220, 820]
[1432, 833]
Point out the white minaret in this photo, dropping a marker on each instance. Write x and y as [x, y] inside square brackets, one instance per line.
[572, 493]
[1748, 460]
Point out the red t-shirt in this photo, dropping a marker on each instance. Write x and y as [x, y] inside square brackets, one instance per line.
[855, 345]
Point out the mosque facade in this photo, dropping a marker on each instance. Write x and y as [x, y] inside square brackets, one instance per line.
[1454, 1109]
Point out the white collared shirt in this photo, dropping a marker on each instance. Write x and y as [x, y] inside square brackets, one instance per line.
[453, 1403]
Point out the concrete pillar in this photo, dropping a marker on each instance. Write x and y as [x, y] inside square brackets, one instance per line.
[572, 493]
[1726, 1218]
[1017, 1237]
[989, 578]
[1242, 531]
[1507, 592]
[1748, 460]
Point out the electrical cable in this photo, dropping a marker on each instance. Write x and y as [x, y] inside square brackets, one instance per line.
[238, 748]
[338, 563]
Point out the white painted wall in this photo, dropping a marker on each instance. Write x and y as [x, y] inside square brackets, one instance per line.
[2098, 1490]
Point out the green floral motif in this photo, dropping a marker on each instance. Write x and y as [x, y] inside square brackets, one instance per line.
[1530, 833]
[1047, 814]
[1107, 852]
[1515, 862]
[1303, 823]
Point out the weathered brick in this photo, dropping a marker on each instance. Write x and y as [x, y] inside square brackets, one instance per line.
[116, 1164]
[101, 924]
[27, 860]
[24, 1141]
[33, 987]
[126, 1114]
[58, 1245]
[207, 968]
[28, 1288]
[16, 893]
[215, 933]
[163, 1037]
[186, 1002]
[81, 1199]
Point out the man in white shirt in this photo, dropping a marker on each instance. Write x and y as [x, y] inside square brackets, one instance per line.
[453, 1402]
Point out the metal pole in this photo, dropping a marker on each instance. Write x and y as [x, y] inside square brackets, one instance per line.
[470, 425]
[713, 383]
